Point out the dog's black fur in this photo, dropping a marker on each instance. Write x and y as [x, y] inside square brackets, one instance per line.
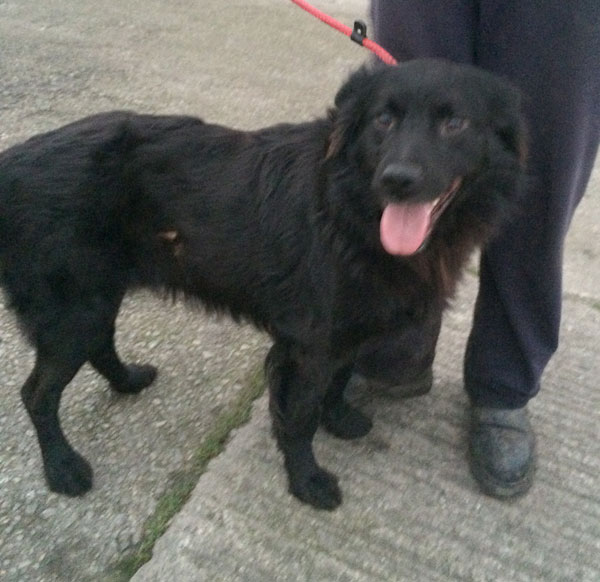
[280, 226]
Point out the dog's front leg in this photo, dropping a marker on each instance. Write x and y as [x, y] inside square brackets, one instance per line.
[298, 377]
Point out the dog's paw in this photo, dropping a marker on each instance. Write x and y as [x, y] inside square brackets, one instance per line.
[138, 378]
[346, 422]
[69, 473]
[320, 489]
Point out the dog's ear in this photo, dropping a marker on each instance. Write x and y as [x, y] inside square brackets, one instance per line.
[514, 138]
[354, 86]
[510, 125]
[351, 102]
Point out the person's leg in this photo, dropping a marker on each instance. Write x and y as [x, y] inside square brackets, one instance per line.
[414, 29]
[552, 53]
[437, 28]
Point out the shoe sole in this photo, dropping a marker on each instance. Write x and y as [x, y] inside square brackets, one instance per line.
[494, 488]
[418, 386]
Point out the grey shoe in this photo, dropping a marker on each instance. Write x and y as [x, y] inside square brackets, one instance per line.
[502, 450]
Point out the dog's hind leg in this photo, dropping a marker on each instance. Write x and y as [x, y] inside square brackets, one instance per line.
[66, 470]
[296, 380]
[124, 378]
[80, 333]
[340, 418]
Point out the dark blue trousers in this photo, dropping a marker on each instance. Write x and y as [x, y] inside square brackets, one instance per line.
[551, 51]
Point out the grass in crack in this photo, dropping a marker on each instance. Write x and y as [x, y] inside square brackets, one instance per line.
[173, 500]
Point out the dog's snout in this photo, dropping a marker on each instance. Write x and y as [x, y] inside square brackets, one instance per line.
[401, 175]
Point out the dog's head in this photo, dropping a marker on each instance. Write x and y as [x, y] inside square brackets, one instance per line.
[431, 140]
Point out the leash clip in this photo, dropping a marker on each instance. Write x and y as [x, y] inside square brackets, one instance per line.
[360, 32]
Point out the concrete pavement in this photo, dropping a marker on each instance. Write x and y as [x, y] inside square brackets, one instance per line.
[411, 510]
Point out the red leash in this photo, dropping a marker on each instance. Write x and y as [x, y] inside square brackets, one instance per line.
[358, 34]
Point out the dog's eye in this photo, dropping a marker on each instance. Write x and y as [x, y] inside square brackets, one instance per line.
[453, 125]
[384, 120]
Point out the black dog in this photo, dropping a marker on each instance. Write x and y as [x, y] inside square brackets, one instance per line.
[327, 234]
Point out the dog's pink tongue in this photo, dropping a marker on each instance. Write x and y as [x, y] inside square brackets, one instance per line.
[404, 227]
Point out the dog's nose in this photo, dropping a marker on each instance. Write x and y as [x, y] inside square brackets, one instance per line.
[401, 175]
